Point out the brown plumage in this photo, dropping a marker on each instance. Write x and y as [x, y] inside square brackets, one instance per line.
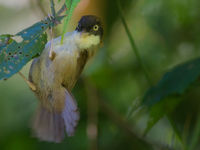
[55, 73]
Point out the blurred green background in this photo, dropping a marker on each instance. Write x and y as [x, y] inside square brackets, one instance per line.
[166, 32]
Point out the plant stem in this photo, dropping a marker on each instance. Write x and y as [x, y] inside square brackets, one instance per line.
[136, 51]
[53, 9]
[65, 22]
[133, 45]
[62, 9]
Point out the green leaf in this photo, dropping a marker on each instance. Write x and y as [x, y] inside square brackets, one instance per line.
[163, 98]
[71, 5]
[174, 82]
[195, 135]
[17, 50]
[160, 109]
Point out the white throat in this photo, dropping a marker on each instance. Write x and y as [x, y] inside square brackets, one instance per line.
[85, 41]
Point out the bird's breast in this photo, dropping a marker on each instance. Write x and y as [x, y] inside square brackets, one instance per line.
[68, 66]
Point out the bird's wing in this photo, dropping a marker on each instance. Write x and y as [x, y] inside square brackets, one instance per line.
[81, 61]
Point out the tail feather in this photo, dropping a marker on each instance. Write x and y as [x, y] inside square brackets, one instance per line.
[70, 114]
[51, 126]
[48, 126]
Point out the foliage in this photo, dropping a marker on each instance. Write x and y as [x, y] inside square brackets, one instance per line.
[71, 5]
[174, 82]
[17, 50]
[163, 98]
[157, 111]
[164, 34]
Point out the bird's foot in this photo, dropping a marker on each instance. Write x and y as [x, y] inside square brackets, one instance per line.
[30, 84]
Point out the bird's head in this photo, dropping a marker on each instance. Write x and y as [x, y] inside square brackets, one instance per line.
[91, 30]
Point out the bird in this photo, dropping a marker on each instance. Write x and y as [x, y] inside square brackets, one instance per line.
[55, 72]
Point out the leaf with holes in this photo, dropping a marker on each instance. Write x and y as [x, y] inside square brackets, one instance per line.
[17, 50]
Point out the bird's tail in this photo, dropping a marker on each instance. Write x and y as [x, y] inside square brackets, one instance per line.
[51, 125]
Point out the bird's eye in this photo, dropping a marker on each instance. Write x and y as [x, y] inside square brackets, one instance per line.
[96, 27]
